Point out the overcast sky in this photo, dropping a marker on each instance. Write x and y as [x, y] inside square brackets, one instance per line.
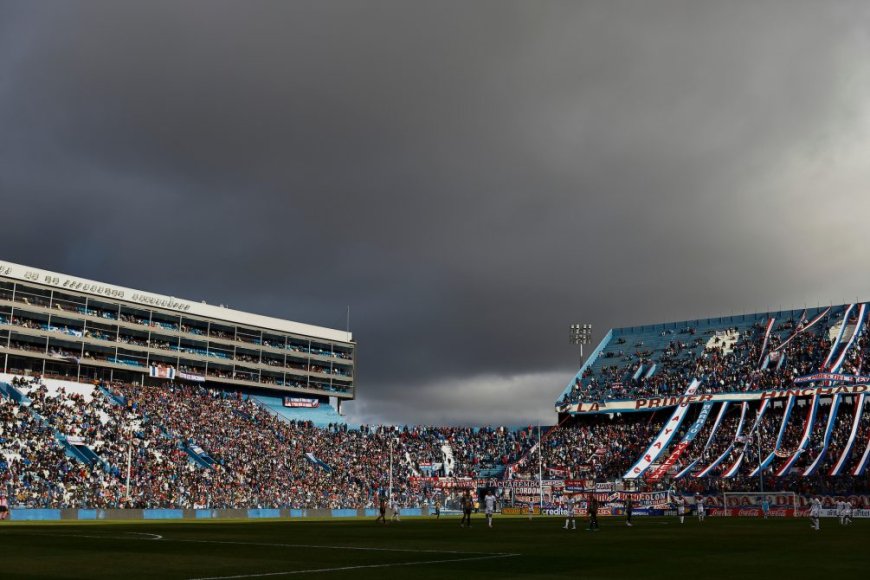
[469, 177]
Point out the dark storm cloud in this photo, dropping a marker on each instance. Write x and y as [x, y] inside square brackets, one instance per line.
[469, 177]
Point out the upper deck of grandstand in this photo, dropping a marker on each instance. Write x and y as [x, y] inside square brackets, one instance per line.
[727, 354]
[70, 328]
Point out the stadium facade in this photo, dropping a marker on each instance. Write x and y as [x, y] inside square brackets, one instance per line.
[70, 328]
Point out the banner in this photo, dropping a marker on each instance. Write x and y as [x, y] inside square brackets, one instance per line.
[578, 485]
[301, 402]
[781, 504]
[690, 435]
[751, 512]
[808, 429]
[862, 463]
[519, 483]
[664, 437]
[314, 460]
[727, 452]
[776, 450]
[832, 377]
[855, 333]
[829, 429]
[847, 450]
[190, 377]
[802, 327]
[688, 469]
[746, 440]
[641, 498]
[444, 482]
[837, 340]
[655, 403]
[161, 372]
[766, 339]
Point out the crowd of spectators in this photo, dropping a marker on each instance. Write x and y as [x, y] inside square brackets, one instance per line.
[599, 448]
[725, 360]
[189, 446]
[35, 469]
[763, 442]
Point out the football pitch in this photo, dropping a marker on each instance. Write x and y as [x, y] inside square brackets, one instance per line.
[425, 548]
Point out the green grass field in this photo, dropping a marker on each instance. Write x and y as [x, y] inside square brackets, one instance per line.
[424, 548]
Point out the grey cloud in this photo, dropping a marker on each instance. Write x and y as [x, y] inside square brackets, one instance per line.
[468, 177]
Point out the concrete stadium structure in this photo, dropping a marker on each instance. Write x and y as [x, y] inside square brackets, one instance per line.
[70, 328]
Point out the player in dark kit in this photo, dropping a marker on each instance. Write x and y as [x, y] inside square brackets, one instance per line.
[593, 514]
[467, 506]
[383, 511]
[629, 506]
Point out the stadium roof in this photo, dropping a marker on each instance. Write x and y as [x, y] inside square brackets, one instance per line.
[62, 282]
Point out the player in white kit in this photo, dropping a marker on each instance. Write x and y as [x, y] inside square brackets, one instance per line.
[569, 508]
[847, 513]
[815, 512]
[841, 511]
[396, 511]
[489, 506]
[699, 502]
[681, 508]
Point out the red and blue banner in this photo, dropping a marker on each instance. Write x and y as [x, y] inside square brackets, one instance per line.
[829, 429]
[808, 429]
[664, 437]
[704, 472]
[853, 433]
[690, 435]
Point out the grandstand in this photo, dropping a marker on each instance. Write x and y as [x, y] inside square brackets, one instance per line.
[110, 400]
[779, 393]
[69, 328]
[661, 359]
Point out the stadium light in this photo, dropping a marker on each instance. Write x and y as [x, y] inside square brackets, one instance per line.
[580, 334]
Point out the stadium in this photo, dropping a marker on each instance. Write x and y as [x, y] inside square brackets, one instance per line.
[408, 289]
[113, 411]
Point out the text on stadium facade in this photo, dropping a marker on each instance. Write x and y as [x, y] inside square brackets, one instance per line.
[662, 402]
[94, 288]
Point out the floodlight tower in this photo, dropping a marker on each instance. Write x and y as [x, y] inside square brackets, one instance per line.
[581, 334]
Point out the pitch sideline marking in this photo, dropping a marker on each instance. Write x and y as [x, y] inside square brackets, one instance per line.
[272, 545]
[153, 536]
[360, 548]
[472, 556]
[361, 567]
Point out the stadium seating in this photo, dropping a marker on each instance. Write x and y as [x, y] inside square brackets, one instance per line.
[722, 349]
[193, 446]
[322, 416]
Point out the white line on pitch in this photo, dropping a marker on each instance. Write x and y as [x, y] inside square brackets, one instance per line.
[11, 531]
[360, 548]
[361, 567]
[152, 536]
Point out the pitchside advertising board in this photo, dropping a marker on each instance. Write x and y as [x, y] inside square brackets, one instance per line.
[654, 403]
[617, 508]
[649, 503]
